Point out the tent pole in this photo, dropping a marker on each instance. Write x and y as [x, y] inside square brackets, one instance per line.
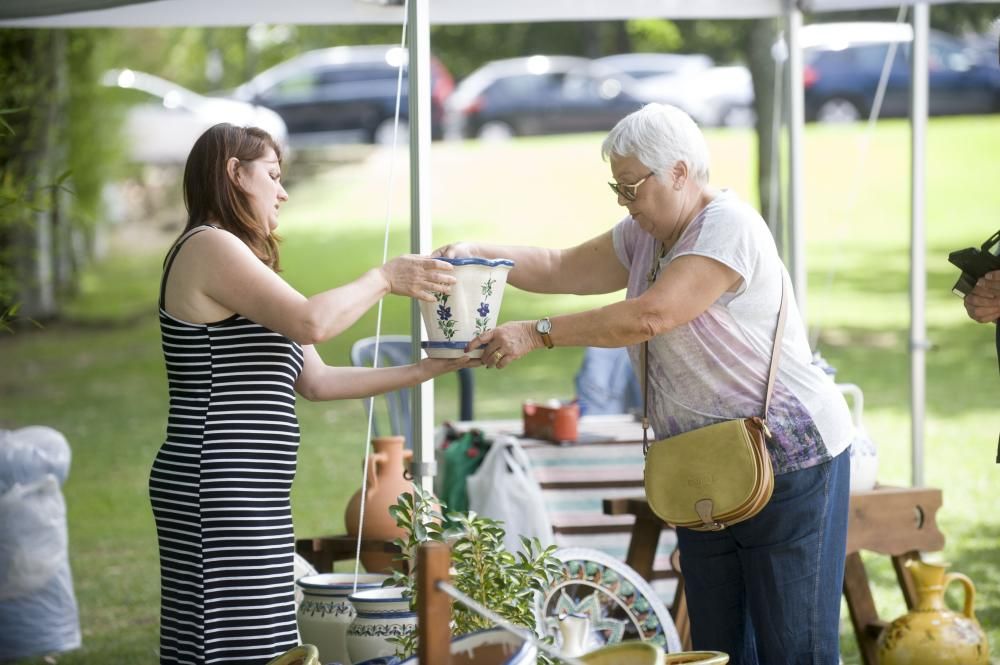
[918, 276]
[796, 120]
[418, 79]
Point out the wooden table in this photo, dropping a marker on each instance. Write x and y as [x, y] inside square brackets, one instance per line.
[896, 521]
[893, 521]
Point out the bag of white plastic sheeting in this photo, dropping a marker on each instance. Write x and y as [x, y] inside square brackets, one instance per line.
[38, 612]
[502, 488]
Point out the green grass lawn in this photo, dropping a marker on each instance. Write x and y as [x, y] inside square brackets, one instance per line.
[98, 376]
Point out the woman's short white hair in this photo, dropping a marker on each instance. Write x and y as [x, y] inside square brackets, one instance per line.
[659, 136]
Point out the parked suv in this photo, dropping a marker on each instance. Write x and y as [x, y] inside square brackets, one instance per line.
[843, 62]
[344, 93]
[539, 94]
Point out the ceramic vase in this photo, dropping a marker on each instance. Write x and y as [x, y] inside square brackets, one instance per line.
[931, 634]
[386, 481]
[381, 614]
[325, 613]
[864, 454]
[469, 310]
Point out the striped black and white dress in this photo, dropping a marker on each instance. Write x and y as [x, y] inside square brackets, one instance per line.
[220, 489]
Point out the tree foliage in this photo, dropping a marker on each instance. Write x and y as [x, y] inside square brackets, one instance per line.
[57, 151]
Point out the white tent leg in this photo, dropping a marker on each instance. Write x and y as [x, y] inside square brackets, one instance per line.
[918, 276]
[796, 120]
[419, 77]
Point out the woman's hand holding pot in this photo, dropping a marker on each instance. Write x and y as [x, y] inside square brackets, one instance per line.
[417, 276]
[506, 343]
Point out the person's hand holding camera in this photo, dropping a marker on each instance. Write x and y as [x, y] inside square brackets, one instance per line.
[983, 301]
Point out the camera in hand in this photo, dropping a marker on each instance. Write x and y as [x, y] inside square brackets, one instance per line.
[975, 262]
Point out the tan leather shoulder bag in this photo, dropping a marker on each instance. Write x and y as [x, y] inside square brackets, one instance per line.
[714, 476]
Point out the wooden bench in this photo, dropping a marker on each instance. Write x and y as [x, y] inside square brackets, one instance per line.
[899, 522]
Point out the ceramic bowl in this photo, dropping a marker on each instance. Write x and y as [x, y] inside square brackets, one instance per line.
[305, 654]
[697, 658]
[625, 653]
[469, 310]
[644, 653]
[485, 647]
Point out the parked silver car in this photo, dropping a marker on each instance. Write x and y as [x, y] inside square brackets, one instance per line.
[712, 95]
[539, 94]
[164, 119]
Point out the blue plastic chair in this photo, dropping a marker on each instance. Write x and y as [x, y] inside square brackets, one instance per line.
[394, 350]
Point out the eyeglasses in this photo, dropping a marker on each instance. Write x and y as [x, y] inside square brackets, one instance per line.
[628, 192]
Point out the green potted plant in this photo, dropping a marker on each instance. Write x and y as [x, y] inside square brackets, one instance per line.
[482, 567]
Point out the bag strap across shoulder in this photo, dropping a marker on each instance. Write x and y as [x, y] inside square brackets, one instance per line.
[772, 370]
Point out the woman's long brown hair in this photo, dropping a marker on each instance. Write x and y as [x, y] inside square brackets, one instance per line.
[210, 194]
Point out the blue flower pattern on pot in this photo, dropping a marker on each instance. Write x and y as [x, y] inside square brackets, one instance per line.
[445, 323]
[482, 321]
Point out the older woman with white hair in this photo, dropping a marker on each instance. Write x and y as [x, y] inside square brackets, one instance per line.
[703, 284]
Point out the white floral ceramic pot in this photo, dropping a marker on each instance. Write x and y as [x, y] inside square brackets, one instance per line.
[325, 613]
[469, 310]
[381, 614]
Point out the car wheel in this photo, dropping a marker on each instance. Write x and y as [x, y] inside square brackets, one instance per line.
[838, 109]
[495, 130]
[384, 131]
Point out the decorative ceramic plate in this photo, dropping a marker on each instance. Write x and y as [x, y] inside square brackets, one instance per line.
[619, 603]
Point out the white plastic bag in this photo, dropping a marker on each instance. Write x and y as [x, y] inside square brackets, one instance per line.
[504, 489]
[38, 611]
[34, 517]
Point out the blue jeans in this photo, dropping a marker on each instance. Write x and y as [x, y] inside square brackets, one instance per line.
[767, 590]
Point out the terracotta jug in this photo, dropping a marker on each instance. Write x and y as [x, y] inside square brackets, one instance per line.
[386, 481]
[931, 634]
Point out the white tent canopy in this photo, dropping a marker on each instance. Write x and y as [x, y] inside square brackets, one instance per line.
[422, 13]
[164, 13]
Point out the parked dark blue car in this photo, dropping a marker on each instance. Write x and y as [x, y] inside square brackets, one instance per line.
[843, 62]
[344, 94]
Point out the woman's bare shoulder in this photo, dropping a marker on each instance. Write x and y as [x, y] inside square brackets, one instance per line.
[219, 241]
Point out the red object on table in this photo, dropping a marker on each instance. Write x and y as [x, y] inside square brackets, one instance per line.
[553, 423]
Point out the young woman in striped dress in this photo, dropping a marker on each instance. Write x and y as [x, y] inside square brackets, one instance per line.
[238, 344]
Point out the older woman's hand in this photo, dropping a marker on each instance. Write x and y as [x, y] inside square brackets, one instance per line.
[454, 250]
[983, 302]
[506, 343]
[418, 276]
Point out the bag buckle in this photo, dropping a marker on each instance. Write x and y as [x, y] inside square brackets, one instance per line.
[704, 510]
[763, 426]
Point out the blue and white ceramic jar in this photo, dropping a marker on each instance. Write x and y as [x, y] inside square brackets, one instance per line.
[381, 614]
[471, 308]
[325, 613]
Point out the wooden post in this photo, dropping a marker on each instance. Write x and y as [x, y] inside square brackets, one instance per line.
[433, 605]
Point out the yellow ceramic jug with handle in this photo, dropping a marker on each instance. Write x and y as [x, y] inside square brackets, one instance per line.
[930, 633]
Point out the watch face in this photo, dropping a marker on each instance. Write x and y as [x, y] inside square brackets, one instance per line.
[543, 326]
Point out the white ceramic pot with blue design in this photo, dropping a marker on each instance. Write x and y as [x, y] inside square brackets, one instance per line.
[381, 614]
[325, 613]
[471, 308]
